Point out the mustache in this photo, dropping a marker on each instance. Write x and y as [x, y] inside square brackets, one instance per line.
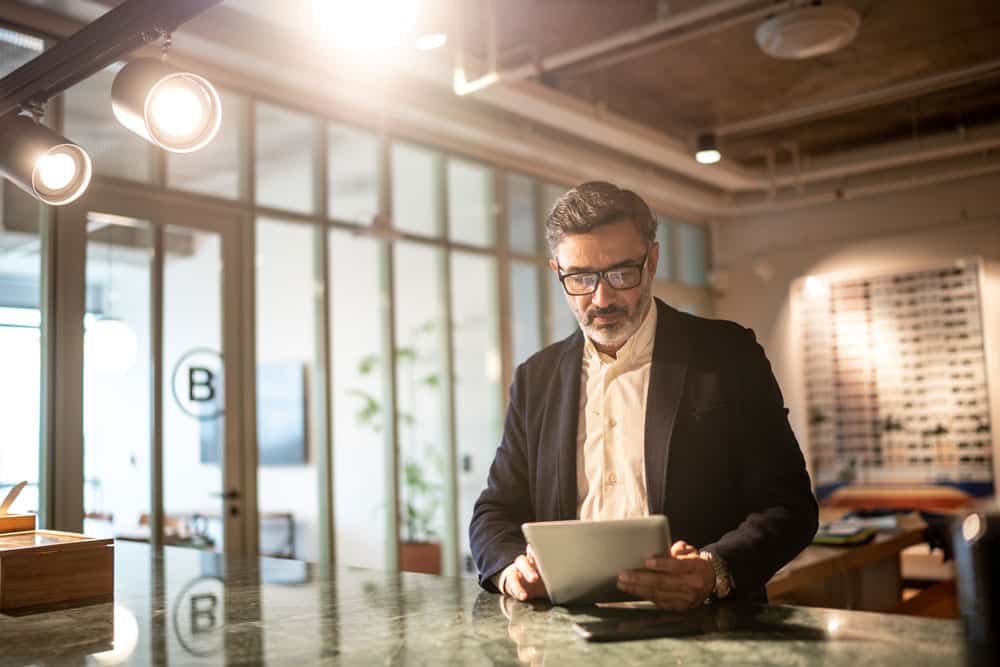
[605, 312]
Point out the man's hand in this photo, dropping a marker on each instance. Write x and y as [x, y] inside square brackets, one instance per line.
[521, 580]
[680, 580]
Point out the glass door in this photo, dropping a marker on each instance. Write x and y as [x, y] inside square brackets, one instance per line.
[161, 455]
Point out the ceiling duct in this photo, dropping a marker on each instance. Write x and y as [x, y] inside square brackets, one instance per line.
[807, 32]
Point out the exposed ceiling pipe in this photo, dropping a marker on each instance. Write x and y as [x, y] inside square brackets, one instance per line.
[668, 41]
[632, 36]
[871, 98]
[830, 193]
[555, 109]
[895, 155]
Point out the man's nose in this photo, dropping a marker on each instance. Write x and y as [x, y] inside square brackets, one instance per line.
[603, 296]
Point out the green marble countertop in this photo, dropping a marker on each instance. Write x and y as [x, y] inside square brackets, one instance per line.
[184, 606]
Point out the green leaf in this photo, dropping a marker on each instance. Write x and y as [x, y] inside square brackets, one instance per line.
[406, 354]
[367, 364]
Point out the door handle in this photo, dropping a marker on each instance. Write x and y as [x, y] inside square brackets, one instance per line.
[231, 494]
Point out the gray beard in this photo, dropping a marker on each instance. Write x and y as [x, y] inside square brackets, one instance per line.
[617, 334]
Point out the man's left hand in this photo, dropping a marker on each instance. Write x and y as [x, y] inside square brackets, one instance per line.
[678, 580]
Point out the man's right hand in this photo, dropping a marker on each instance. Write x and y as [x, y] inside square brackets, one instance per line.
[522, 580]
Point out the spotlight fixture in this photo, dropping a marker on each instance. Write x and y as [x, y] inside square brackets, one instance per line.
[176, 110]
[708, 151]
[42, 163]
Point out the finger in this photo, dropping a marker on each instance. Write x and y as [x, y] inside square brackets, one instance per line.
[661, 580]
[671, 565]
[680, 599]
[536, 590]
[681, 548]
[515, 587]
[662, 599]
[679, 565]
[530, 553]
[526, 569]
[664, 564]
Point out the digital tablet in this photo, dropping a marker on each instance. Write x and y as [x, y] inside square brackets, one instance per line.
[580, 560]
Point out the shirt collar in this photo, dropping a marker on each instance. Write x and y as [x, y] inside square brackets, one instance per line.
[637, 350]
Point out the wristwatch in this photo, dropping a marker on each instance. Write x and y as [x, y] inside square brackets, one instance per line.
[723, 579]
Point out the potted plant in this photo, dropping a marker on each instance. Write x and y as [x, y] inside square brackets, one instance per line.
[420, 547]
[420, 494]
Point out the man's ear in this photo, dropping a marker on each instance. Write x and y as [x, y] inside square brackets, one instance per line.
[554, 266]
[654, 257]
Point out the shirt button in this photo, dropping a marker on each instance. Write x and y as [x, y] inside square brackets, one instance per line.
[612, 423]
[612, 478]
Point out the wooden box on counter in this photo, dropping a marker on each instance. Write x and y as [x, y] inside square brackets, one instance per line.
[44, 568]
[10, 523]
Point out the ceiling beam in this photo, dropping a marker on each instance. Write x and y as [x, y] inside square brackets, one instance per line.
[871, 98]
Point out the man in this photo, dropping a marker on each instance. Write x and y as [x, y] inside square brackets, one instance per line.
[644, 410]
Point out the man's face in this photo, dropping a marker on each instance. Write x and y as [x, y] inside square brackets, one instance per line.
[608, 316]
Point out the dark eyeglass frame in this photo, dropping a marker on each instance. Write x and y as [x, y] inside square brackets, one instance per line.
[603, 275]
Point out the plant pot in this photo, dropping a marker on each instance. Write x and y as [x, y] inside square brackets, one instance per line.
[420, 557]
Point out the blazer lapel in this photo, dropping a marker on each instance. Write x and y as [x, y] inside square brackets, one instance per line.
[568, 417]
[663, 400]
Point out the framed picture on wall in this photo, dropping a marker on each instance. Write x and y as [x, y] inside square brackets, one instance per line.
[282, 434]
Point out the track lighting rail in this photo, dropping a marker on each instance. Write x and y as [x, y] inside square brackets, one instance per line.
[95, 46]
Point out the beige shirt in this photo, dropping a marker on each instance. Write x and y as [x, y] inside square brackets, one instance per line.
[610, 434]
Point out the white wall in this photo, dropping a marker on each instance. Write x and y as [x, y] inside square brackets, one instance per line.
[760, 257]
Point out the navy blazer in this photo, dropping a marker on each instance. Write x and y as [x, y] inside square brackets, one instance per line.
[721, 459]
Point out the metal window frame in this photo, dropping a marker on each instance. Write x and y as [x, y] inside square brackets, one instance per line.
[450, 550]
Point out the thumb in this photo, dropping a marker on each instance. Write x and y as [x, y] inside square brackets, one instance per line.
[531, 554]
[682, 548]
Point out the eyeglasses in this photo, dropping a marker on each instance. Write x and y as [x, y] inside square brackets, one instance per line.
[622, 278]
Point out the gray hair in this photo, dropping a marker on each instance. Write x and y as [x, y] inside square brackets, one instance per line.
[595, 204]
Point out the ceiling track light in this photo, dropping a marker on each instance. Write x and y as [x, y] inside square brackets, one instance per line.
[176, 110]
[183, 109]
[41, 162]
[707, 151]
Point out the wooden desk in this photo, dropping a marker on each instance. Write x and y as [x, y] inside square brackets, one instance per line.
[865, 577]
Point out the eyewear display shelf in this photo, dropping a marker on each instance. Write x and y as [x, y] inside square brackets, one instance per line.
[895, 372]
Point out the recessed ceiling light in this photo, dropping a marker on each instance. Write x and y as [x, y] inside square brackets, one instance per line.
[707, 152]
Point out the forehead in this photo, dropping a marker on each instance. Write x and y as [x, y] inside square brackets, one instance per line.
[605, 246]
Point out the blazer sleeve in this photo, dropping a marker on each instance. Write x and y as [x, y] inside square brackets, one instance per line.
[495, 535]
[782, 514]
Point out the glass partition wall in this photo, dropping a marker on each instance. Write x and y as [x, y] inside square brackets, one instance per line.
[319, 367]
